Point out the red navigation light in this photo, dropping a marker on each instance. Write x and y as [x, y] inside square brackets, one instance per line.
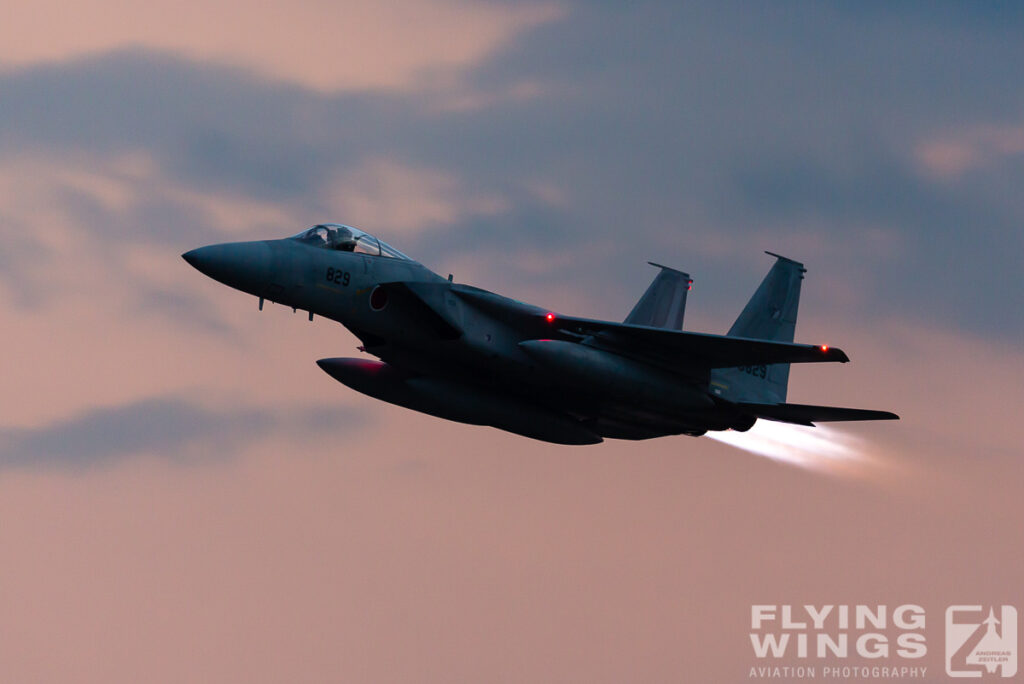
[824, 348]
[550, 318]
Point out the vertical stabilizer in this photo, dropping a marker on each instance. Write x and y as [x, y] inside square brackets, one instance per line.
[769, 315]
[664, 302]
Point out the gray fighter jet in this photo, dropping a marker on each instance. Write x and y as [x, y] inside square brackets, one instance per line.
[465, 354]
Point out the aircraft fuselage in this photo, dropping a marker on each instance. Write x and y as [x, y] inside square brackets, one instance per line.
[473, 356]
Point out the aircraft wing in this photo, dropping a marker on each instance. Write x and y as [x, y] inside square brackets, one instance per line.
[710, 351]
[672, 348]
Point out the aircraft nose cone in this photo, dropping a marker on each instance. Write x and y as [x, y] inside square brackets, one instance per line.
[241, 265]
[193, 257]
[209, 260]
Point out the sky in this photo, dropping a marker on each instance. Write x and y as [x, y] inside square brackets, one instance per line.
[186, 496]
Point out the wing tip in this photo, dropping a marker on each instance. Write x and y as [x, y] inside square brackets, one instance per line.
[833, 353]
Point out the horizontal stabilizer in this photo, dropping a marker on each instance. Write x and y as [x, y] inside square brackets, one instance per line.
[808, 414]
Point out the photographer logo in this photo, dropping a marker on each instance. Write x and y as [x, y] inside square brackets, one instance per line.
[981, 641]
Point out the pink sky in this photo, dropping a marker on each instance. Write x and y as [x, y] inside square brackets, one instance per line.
[394, 547]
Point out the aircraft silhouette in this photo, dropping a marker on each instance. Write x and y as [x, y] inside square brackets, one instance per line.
[465, 354]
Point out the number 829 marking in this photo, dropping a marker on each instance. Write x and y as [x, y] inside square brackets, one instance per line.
[338, 276]
[757, 371]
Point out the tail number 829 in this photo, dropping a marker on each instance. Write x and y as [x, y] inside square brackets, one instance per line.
[757, 371]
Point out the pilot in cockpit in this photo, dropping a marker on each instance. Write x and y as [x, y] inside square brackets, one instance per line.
[346, 239]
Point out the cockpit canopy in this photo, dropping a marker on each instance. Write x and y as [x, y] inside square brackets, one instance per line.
[347, 239]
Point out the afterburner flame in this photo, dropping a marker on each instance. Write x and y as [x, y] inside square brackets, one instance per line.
[819, 448]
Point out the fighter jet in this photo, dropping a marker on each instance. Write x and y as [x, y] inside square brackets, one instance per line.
[468, 355]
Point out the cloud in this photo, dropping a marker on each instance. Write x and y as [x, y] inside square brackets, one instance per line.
[404, 199]
[173, 428]
[358, 45]
[100, 226]
[698, 153]
[951, 156]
